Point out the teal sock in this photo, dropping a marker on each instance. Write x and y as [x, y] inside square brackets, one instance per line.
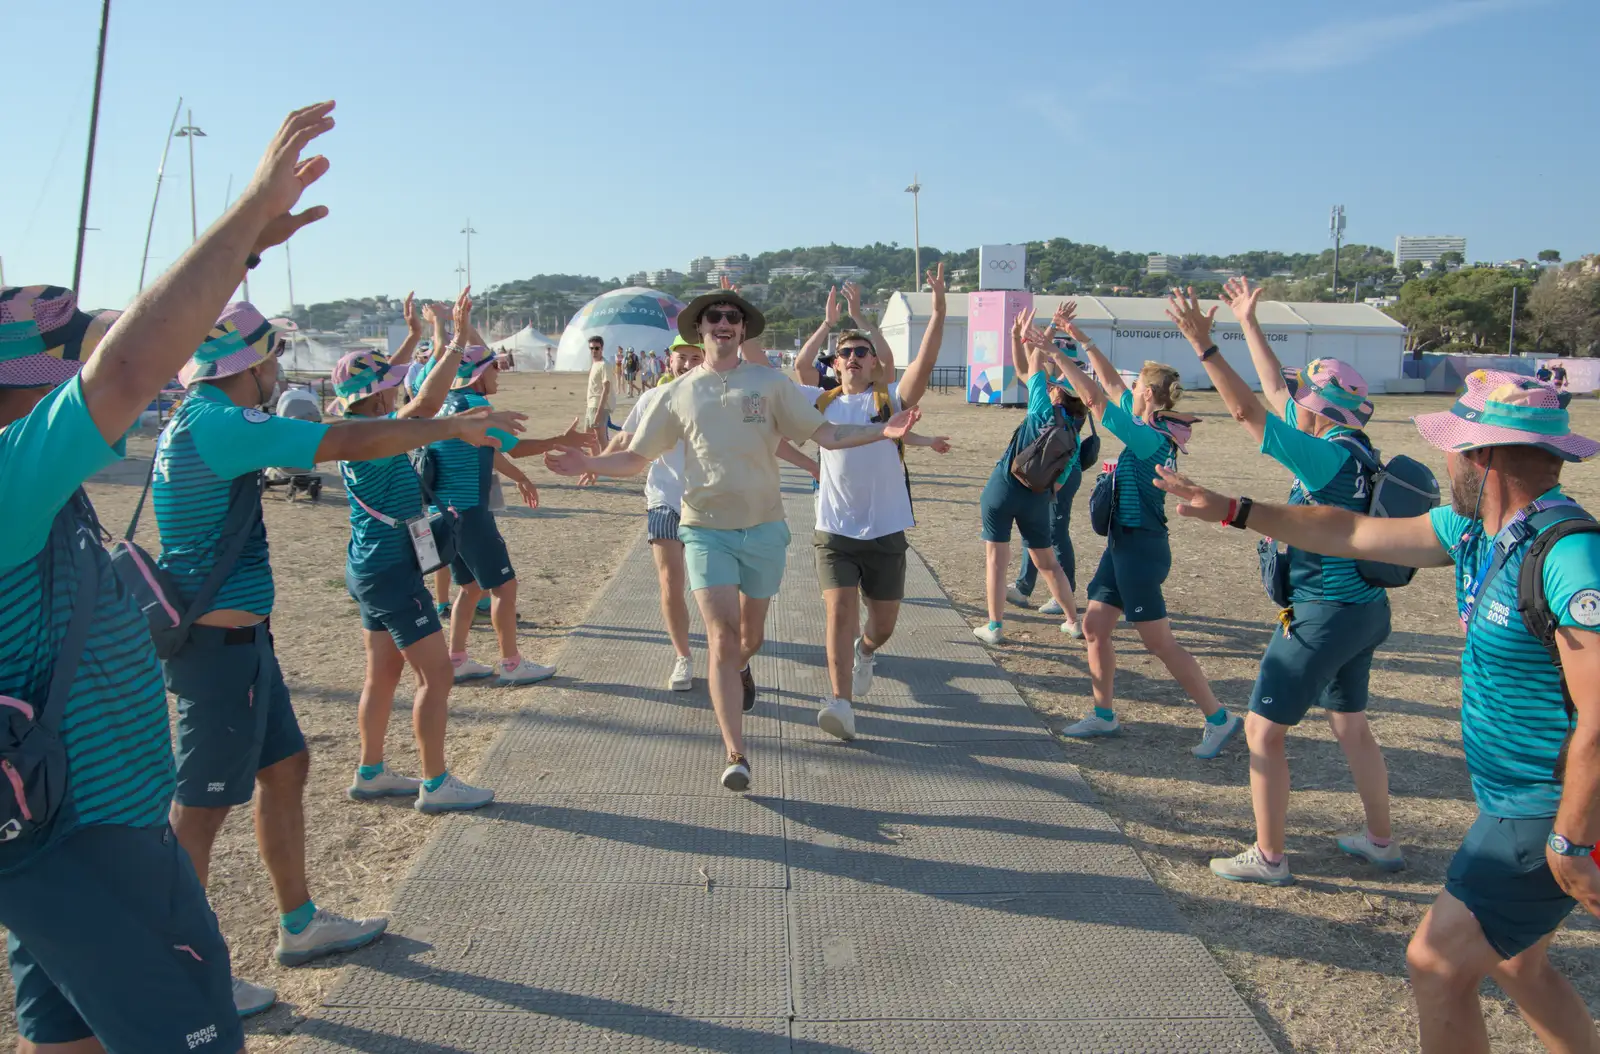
[297, 920]
[1105, 715]
[437, 781]
[1218, 718]
[994, 625]
[368, 772]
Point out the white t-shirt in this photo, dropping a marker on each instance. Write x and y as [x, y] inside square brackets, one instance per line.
[663, 483]
[863, 493]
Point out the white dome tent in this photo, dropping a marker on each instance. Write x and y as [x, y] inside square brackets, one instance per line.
[635, 317]
[528, 345]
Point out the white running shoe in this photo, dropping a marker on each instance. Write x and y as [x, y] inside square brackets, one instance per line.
[1014, 595]
[1072, 629]
[988, 635]
[327, 933]
[250, 999]
[1251, 866]
[861, 673]
[526, 672]
[1051, 607]
[736, 777]
[384, 785]
[453, 796]
[1386, 858]
[1215, 737]
[682, 678]
[472, 670]
[837, 719]
[1092, 726]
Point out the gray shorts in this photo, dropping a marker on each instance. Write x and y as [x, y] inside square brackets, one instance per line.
[876, 566]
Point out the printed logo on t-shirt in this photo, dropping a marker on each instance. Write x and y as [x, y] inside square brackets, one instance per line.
[255, 416]
[755, 409]
[1585, 607]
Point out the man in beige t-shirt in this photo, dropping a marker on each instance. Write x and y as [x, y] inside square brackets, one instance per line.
[730, 415]
[600, 397]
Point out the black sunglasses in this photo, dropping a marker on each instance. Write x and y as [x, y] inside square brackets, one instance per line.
[714, 315]
[857, 353]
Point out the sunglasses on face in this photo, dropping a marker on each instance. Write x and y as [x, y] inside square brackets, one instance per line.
[731, 315]
[856, 353]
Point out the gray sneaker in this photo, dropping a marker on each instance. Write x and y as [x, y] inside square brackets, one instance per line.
[1251, 866]
[837, 719]
[384, 785]
[862, 671]
[327, 933]
[1092, 726]
[250, 999]
[1215, 737]
[453, 796]
[1385, 858]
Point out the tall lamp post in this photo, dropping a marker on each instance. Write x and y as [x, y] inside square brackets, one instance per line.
[469, 232]
[191, 133]
[1336, 229]
[915, 190]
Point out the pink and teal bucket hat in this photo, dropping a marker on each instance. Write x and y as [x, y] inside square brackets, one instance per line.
[360, 374]
[476, 360]
[44, 338]
[1333, 389]
[242, 338]
[1506, 409]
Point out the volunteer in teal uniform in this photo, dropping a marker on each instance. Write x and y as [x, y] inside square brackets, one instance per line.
[1072, 415]
[1526, 860]
[1138, 554]
[110, 938]
[1320, 653]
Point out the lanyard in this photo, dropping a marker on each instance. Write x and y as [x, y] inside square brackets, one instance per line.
[1511, 536]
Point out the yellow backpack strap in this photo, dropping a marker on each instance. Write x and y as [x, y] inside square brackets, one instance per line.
[885, 405]
[826, 399]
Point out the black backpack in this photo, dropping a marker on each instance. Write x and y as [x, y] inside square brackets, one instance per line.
[1089, 449]
[1534, 606]
[1401, 488]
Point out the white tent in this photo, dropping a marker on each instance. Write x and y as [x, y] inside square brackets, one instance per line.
[529, 345]
[635, 317]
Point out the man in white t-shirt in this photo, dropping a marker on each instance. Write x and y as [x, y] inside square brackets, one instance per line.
[600, 396]
[864, 500]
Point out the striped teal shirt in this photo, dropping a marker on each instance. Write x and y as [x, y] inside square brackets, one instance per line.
[1325, 473]
[208, 443]
[390, 486]
[1512, 718]
[1139, 502]
[462, 471]
[118, 744]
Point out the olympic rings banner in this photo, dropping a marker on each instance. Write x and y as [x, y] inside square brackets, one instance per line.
[1003, 267]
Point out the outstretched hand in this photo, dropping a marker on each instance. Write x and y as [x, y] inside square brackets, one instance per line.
[578, 438]
[831, 311]
[1241, 297]
[936, 285]
[475, 424]
[940, 445]
[530, 493]
[1184, 309]
[1023, 322]
[409, 311]
[282, 177]
[567, 462]
[901, 423]
[461, 314]
[1194, 501]
[852, 299]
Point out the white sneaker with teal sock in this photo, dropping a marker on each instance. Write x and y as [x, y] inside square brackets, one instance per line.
[376, 781]
[524, 671]
[1096, 724]
[993, 633]
[326, 933]
[1216, 736]
[1384, 857]
[448, 794]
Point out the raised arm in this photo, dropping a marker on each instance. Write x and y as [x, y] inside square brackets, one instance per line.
[366, 439]
[161, 328]
[447, 357]
[1241, 299]
[408, 346]
[1316, 528]
[843, 437]
[1019, 354]
[1086, 387]
[1578, 818]
[574, 438]
[914, 384]
[1184, 309]
[867, 324]
[1110, 379]
[805, 364]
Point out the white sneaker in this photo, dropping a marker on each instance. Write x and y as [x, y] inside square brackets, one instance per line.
[249, 999]
[1251, 866]
[861, 673]
[682, 678]
[327, 933]
[989, 635]
[837, 719]
[1215, 737]
[736, 777]
[453, 796]
[384, 785]
[471, 670]
[1386, 858]
[1072, 629]
[1051, 607]
[1014, 595]
[1092, 726]
[526, 672]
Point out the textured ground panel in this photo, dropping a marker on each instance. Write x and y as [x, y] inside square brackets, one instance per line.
[943, 884]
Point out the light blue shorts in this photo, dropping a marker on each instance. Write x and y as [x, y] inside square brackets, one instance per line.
[751, 559]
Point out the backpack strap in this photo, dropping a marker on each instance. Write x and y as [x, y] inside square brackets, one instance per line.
[149, 478]
[85, 533]
[1360, 449]
[244, 512]
[1554, 524]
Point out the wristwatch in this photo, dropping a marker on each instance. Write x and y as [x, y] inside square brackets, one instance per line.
[251, 262]
[1241, 515]
[1204, 355]
[1562, 847]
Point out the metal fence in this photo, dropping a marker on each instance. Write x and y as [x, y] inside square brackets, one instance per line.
[947, 377]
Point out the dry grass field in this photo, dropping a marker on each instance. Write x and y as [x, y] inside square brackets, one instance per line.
[1321, 963]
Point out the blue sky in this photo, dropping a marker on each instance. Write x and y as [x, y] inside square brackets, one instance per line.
[601, 139]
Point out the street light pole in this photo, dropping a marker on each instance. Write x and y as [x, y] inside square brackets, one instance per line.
[1336, 228]
[94, 128]
[191, 133]
[469, 232]
[915, 190]
[156, 198]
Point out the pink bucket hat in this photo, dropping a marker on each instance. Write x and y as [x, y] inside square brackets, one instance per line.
[1506, 409]
[1333, 389]
[44, 338]
[241, 338]
[360, 374]
[476, 360]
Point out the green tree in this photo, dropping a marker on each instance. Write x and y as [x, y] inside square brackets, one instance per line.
[1550, 255]
[1411, 269]
[1564, 311]
[1451, 259]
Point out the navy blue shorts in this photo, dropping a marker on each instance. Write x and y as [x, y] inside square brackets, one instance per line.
[1132, 569]
[1004, 501]
[396, 601]
[234, 714]
[1501, 875]
[111, 936]
[481, 555]
[1326, 660]
[661, 524]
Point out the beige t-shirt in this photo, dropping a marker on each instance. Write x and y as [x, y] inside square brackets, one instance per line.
[730, 424]
[598, 375]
